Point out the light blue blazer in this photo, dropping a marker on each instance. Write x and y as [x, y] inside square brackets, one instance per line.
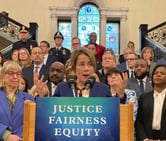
[13, 122]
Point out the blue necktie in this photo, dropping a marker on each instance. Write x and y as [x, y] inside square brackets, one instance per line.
[141, 86]
[132, 74]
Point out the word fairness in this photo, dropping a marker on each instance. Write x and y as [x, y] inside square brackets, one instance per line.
[79, 124]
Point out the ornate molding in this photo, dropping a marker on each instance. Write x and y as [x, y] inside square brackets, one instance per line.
[99, 3]
[116, 12]
[64, 12]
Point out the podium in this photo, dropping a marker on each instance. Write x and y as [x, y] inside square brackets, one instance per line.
[126, 122]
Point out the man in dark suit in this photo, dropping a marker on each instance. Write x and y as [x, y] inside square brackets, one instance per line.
[128, 65]
[48, 59]
[56, 75]
[34, 72]
[76, 44]
[24, 41]
[141, 83]
[122, 58]
[62, 54]
[150, 123]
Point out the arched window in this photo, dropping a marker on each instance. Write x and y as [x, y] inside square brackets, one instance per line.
[65, 28]
[84, 18]
[112, 36]
[88, 21]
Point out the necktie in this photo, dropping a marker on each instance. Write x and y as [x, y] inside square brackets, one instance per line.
[141, 86]
[132, 74]
[37, 69]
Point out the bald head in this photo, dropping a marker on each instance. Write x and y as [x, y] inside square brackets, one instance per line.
[93, 37]
[37, 55]
[56, 73]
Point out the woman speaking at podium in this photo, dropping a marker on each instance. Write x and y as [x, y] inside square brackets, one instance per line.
[83, 85]
[11, 103]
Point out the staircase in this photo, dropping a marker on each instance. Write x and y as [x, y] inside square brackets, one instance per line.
[154, 38]
[4, 42]
[9, 33]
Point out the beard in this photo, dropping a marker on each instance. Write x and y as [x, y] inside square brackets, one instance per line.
[142, 76]
[56, 79]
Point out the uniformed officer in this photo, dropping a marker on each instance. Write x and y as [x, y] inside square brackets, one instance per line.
[62, 54]
[24, 40]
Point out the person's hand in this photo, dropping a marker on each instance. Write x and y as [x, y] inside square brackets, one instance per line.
[96, 76]
[120, 86]
[125, 79]
[12, 137]
[41, 87]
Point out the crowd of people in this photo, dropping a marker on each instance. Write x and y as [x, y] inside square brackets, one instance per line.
[38, 71]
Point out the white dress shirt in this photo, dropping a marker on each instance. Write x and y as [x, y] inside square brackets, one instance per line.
[53, 88]
[45, 59]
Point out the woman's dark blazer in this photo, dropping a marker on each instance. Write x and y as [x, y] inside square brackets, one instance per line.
[98, 90]
[144, 119]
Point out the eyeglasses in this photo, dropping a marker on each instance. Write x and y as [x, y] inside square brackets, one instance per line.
[23, 53]
[75, 44]
[12, 73]
[131, 59]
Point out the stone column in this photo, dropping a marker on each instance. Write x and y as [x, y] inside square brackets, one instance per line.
[74, 24]
[122, 33]
[54, 25]
[103, 21]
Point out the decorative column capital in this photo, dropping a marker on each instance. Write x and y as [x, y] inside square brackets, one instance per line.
[123, 18]
[103, 18]
[53, 16]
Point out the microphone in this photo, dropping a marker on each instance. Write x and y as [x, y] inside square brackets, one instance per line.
[71, 80]
[90, 82]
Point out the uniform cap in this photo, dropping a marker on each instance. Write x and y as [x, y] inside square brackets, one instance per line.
[23, 29]
[58, 35]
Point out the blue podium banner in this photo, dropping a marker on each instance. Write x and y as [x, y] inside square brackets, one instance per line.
[77, 119]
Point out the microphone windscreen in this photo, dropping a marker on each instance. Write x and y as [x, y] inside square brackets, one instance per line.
[71, 80]
[90, 82]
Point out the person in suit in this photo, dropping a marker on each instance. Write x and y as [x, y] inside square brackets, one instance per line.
[108, 61]
[24, 40]
[35, 71]
[11, 103]
[100, 49]
[76, 44]
[151, 117]
[141, 83]
[56, 75]
[62, 54]
[122, 57]
[128, 65]
[84, 65]
[48, 59]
